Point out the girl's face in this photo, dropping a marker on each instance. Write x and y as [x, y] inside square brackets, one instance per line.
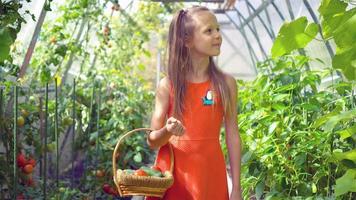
[206, 40]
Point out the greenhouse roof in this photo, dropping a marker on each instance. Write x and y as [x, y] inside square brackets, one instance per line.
[248, 29]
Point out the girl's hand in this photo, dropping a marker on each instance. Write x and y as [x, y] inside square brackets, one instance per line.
[175, 127]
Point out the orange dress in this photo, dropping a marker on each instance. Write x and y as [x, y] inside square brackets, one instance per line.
[199, 170]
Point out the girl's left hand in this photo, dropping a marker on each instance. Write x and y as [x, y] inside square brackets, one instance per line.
[235, 195]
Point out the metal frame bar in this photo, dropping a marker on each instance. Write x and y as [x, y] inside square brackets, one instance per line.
[270, 23]
[45, 145]
[278, 11]
[290, 10]
[258, 11]
[74, 115]
[15, 110]
[33, 42]
[250, 6]
[242, 19]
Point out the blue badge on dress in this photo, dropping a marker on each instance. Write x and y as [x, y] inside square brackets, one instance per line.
[208, 99]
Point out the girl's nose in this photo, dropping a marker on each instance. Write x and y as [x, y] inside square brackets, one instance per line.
[218, 35]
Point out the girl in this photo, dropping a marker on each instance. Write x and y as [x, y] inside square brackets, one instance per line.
[196, 97]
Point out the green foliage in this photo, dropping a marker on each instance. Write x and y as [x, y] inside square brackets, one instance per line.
[116, 44]
[288, 151]
[5, 42]
[346, 183]
[337, 23]
[340, 24]
[10, 24]
[294, 35]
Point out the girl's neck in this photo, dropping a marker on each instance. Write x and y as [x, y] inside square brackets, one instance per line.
[199, 71]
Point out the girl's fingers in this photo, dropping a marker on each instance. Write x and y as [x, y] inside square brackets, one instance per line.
[178, 131]
[175, 126]
[181, 130]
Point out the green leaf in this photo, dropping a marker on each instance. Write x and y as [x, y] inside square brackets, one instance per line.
[246, 157]
[348, 163]
[279, 106]
[323, 119]
[346, 183]
[346, 133]
[341, 25]
[285, 88]
[272, 127]
[331, 7]
[346, 61]
[61, 50]
[141, 67]
[280, 97]
[310, 107]
[294, 35]
[138, 157]
[331, 123]
[345, 31]
[300, 159]
[5, 43]
[350, 155]
[259, 189]
[47, 6]
[45, 74]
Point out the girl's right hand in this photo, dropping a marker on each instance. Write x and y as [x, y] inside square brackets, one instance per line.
[175, 127]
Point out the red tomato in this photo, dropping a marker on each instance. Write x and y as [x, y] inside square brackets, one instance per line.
[20, 197]
[156, 168]
[28, 169]
[32, 162]
[140, 172]
[106, 188]
[21, 160]
[30, 182]
[113, 191]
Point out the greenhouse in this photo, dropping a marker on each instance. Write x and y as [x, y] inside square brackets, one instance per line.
[178, 99]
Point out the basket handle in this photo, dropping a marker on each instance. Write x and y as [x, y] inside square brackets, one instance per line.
[116, 153]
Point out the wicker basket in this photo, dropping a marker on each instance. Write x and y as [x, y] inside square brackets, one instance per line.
[131, 185]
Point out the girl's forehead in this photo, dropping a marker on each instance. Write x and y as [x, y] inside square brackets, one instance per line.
[204, 18]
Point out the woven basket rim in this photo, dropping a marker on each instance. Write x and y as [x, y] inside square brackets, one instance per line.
[149, 185]
[167, 175]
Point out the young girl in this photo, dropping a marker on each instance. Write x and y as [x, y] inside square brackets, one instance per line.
[191, 104]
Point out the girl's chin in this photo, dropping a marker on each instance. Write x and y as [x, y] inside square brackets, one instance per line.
[215, 53]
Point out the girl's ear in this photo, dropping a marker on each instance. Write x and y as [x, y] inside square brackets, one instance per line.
[188, 42]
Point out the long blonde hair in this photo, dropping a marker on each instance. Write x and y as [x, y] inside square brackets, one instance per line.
[180, 63]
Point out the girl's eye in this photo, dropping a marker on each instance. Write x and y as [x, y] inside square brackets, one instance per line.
[211, 30]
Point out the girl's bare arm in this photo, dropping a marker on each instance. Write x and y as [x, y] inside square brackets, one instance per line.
[160, 136]
[233, 139]
[163, 129]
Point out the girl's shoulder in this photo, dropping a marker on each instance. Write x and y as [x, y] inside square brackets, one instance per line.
[164, 83]
[163, 87]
